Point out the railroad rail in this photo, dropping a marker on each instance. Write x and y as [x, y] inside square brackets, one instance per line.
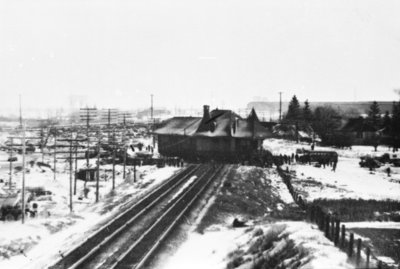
[108, 229]
[113, 244]
[139, 253]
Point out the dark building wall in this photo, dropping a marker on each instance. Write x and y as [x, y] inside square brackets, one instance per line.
[175, 145]
[207, 147]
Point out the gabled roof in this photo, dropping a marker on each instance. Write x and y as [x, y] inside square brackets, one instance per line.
[253, 116]
[219, 123]
[358, 125]
[179, 126]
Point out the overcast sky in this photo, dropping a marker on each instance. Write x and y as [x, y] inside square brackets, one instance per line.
[218, 52]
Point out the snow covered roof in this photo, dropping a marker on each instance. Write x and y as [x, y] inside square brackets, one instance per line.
[179, 126]
[358, 125]
[217, 123]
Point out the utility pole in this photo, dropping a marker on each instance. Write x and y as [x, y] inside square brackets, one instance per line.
[280, 106]
[98, 166]
[113, 157]
[11, 161]
[111, 116]
[88, 115]
[151, 108]
[71, 152]
[23, 174]
[55, 156]
[76, 166]
[124, 145]
[70, 173]
[20, 112]
[125, 118]
[152, 121]
[23, 144]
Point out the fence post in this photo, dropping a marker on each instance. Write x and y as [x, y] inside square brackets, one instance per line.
[311, 213]
[342, 241]
[368, 255]
[301, 202]
[337, 231]
[350, 249]
[358, 258]
[327, 222]
[321, 219]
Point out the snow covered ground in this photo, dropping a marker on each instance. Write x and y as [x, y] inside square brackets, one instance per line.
[349, 180]
[43, 239]
[219, 244]
[373, 224]
[218, 247]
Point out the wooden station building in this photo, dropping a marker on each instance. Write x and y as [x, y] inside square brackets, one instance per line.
[218, 135]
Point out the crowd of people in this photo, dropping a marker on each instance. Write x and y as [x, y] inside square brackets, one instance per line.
[323, 160]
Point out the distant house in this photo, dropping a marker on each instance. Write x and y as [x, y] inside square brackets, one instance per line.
[294, 131]
[218, 135]
[360, 130]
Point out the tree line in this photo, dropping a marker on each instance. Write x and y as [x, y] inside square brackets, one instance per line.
[326, 121]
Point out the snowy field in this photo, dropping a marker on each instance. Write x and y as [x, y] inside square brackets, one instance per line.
[348, 181]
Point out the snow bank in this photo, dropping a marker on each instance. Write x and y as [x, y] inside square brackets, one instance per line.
[373, 225]
[206, 250]
[216, 248]
[321, 251]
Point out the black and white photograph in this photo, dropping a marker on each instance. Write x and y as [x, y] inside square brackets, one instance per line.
[218, 134]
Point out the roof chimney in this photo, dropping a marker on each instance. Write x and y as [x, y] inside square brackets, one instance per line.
[206, 109]
[206, 113]
[206, 123]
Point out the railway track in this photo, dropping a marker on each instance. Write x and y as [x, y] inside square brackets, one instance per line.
[132, 237]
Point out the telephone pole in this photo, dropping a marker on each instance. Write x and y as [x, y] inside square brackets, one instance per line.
[151, 108]
[20, 111]
[88, 115]
[111, 117]
[280, 106]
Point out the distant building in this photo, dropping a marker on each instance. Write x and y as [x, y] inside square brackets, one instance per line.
[350, 109]
[218, 135]
[360, 130]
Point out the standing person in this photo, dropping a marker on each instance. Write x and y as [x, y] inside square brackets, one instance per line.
[388, 171]
[334, 166]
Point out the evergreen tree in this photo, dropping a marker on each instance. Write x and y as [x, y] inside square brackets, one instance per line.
[387, 121]
[307, 114]
[294, 109]
[326, 120]
[374, 114]
[395, 124]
